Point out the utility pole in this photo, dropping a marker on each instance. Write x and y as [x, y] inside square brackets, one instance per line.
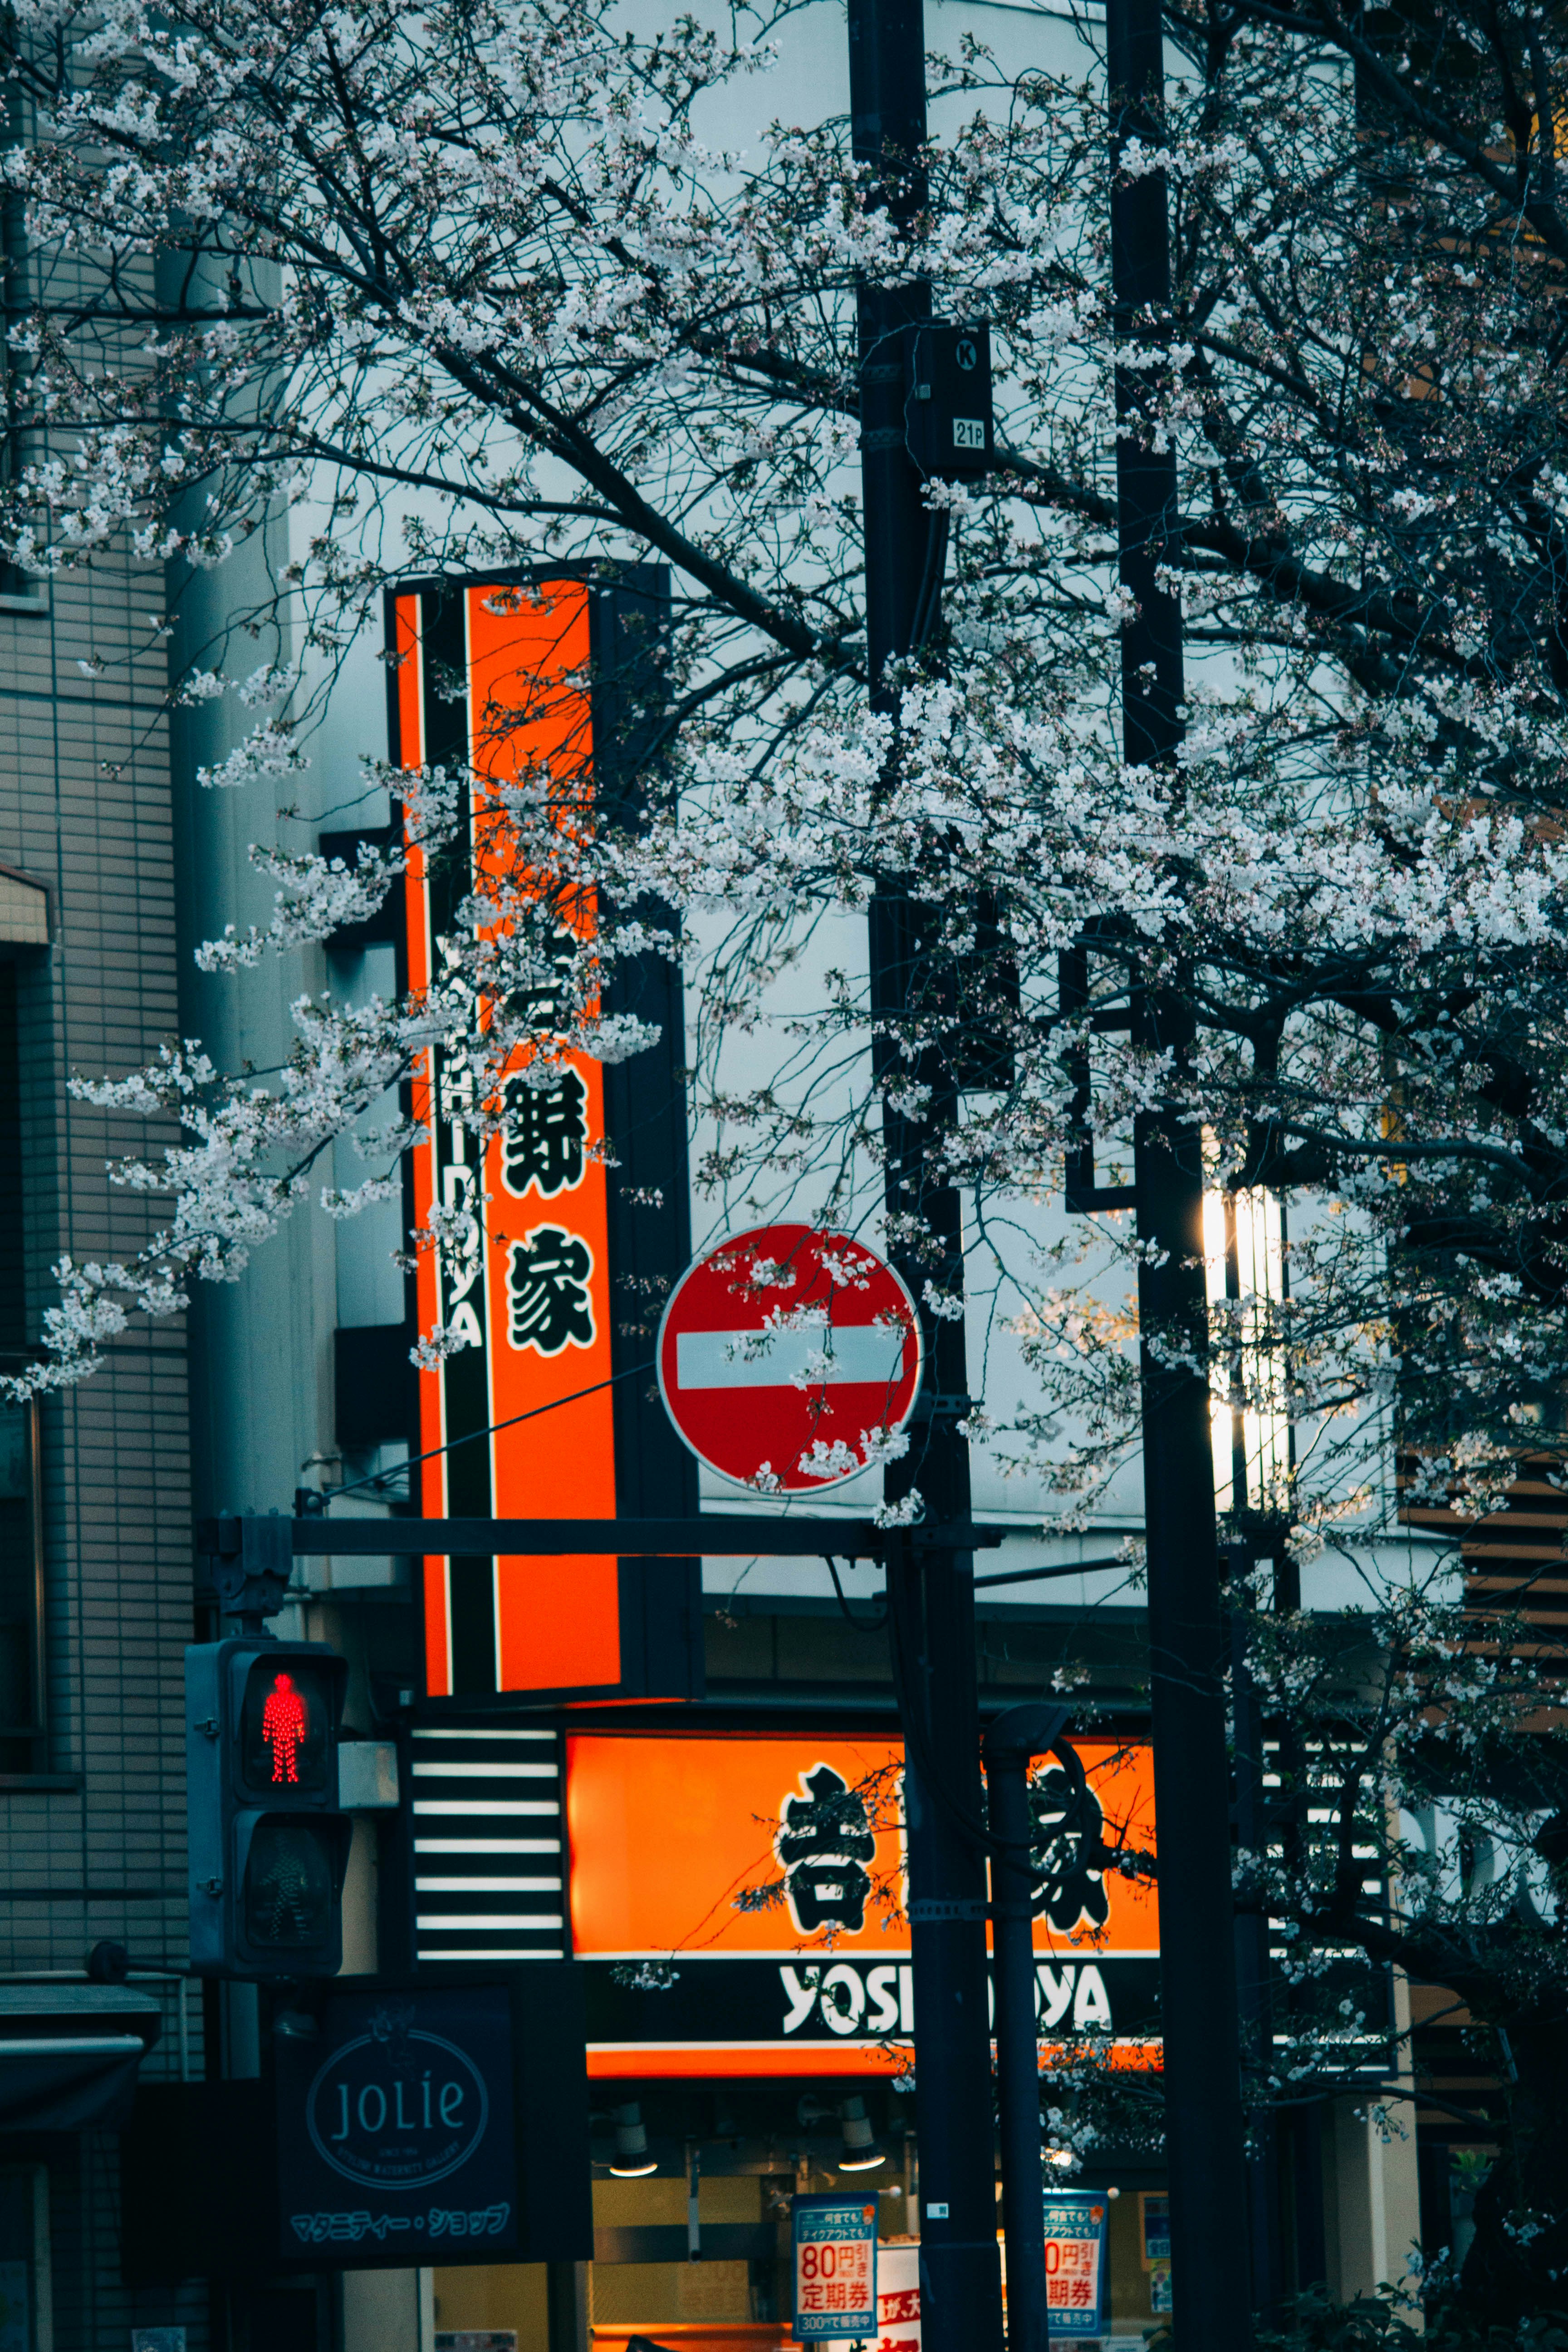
[930, 1593]
[1206, 2139]
[1011, 1741]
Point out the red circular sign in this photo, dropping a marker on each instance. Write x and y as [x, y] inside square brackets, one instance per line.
[788, 1358]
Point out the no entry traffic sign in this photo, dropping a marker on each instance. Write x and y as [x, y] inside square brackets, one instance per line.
[790, 1358]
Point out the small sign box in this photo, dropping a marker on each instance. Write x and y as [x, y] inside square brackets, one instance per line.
[1075, 2265]
[1154, 2214]
[396, 2129]
[898, 2304]
[834, 2267]
[948, 422]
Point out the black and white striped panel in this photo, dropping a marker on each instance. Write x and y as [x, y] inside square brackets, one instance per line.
[490, 1844]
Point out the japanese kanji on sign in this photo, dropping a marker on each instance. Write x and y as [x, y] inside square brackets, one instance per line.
[521, 1279]
[898, 2303]
[834, 2267]
[790, 1358]
[1075, 2263]
[666, 1827]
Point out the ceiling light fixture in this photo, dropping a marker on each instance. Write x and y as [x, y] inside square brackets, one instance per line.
[631, 2160]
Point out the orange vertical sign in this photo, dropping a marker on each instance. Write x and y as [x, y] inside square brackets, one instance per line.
[526, 1279]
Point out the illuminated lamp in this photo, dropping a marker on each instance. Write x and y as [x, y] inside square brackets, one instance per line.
[631, 2160]
[861, 2153]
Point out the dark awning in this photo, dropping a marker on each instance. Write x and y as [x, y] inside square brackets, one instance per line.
[69, 2054]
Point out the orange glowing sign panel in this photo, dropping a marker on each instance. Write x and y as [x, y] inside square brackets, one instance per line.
[524, 1276]
[667, 1834]
[737, 1902]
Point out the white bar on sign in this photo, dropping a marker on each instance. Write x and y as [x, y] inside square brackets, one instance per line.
[476, 1805]
[486, 1885]
[519, 1924]
[869, 1353]
[421, 1954]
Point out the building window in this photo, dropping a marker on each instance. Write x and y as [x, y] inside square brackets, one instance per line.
[21, 1597]
[21, 1512]
[20, 592]
[1244, 1255]
[13, 1291]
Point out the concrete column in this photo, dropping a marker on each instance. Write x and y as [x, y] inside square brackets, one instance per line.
[384, 2310]
[1373, 2200]
[359, 1900]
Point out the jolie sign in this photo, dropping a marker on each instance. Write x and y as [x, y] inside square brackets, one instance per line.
[397, 2135]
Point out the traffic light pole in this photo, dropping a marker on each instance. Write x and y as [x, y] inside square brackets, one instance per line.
[1206, 2137]
[930, 1593]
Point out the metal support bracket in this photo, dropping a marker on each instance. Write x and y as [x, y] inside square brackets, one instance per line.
[252, 1560]
[237, 1552]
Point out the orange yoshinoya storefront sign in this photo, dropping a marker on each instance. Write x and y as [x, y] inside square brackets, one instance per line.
[738, 1902]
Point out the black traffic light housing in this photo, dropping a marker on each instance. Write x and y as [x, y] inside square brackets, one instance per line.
[949, 427]
[268, 1844]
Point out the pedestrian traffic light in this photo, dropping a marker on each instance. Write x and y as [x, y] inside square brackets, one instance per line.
[268, 1845]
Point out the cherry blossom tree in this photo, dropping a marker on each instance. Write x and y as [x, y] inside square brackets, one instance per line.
[519, 308]
[484, 287]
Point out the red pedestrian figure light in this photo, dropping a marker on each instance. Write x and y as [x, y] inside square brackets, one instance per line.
[283, 1727]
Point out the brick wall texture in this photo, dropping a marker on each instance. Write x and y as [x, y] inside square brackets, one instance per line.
[86, 808]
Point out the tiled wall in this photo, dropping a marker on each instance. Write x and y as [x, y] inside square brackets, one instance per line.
[96, 1848]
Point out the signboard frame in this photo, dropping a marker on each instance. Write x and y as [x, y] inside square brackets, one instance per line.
[832, 2221]
[1090, 2209]
[388, 2067]
[550, 2128]
[1155, 2240]
[203, 2170]
[897, 2299]
[558, 1630]
[666, 1827]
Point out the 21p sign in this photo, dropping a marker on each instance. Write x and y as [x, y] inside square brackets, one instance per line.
[834, 2267]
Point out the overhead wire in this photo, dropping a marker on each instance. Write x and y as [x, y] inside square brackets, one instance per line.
[411, 1462]
[1038, 1575]
[860, 1625]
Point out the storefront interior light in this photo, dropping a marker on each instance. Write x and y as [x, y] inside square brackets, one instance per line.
[631, 2158]
[861, 2153]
